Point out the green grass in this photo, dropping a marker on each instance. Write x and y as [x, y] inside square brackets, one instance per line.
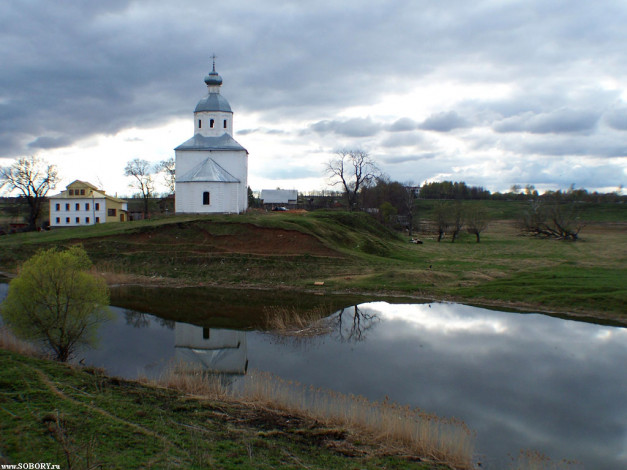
[350, 252]
[78, 418]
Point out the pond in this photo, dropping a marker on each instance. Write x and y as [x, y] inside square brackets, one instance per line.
[521, 381]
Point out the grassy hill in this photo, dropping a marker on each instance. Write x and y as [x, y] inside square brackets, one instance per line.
[352, 252]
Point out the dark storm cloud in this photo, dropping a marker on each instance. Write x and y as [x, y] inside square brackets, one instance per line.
[76, 69]
[444, 122]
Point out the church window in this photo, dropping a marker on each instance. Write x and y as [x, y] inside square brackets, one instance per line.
[57, 207]
[205, 333]
[86, 220]
[67, 220]
[86, 206]
[67, 207]
[58, 220]
[199, 124]
[225, 123]
[97, 206]
[211, 123]
[78, 220]
[78, 206]
[205, 198]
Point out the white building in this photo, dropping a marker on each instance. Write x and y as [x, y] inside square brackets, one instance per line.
[287, 198]
[211, 167]
[84, 204]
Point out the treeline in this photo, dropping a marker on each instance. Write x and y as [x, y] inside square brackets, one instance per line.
[461, 191]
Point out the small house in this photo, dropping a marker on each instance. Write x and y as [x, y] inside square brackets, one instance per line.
[273, 198]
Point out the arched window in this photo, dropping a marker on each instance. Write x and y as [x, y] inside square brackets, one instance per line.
[205, 198]
[211, 123]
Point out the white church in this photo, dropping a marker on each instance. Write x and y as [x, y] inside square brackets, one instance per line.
[211, 167]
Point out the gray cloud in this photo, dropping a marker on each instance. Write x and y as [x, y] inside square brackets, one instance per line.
[617, 119]
[556, 122]
[46, 142]
[402, 125]
[444, 122]
[356, 127]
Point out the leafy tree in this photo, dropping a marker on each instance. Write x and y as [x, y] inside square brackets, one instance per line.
[33, 177]
[55, 300]
[353, 169]
[141, 171]
[388, 213]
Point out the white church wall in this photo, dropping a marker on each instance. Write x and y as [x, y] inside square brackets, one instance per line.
[223, 198]
[202, 123]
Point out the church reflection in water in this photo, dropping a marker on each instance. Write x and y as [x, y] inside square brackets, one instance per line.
[212, 350]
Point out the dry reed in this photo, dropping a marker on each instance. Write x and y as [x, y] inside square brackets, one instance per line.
[10, 342]
[193, 381]
[288, 321]
[401, 427]
[425, 434]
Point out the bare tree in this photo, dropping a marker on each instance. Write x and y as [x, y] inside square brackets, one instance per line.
[409, 205]
[476, 221]
[141, 171]
[167, 167]
[353, 169]
[456, 217]
[552, 220]
[441, 218]
[33, 177]
[352, 324]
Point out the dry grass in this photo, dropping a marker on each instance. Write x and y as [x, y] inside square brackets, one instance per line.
[398, 427]
[289, 321]
[447, 440]
[192, 381]
[10, 342]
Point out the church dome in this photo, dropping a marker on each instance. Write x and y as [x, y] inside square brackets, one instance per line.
[213, 102]
[213, 79]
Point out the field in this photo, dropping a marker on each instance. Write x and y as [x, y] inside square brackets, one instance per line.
[350, 252]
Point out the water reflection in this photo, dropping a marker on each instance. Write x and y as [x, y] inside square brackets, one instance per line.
[520, 381]
[210, 349]
[352, 324]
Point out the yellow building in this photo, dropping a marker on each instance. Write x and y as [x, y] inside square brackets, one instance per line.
[83, 204]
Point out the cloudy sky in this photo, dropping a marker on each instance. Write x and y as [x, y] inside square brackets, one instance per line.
[493, 92]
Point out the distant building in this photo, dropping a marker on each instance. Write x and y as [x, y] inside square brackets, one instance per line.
[272, 198]
[211, 167]
[84, 204]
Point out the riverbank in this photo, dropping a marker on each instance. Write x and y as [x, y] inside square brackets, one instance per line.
[351, 253]
[80, 418]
